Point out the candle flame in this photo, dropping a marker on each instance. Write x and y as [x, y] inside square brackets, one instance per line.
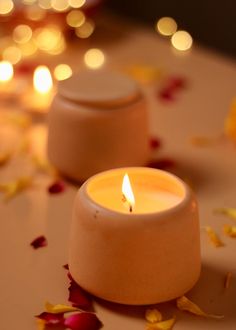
[42, 79]
[6, 71]
[128, 192]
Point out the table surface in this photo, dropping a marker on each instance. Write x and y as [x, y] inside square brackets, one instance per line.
[30, 277]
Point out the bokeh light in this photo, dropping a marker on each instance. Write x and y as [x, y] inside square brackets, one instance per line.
[28, 49]
[12, 54]
[42, 79]
[45, 4]
[166, 26]
[85, 30]
[62, 72]
[6, 71]
[94, 58]
[76, 3]
[22, 34]
[75, 18]
[35, 13]
[182, 40]
[50, 39]
[60, 5]
[6, 6]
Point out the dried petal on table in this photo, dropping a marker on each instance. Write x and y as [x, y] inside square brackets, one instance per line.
[230, 122]
[78, 297]
[51, 319]
[230, 231]
[154, 143]
[214, 238]
[5, 158]
[177, 82]
[153, 315]
[184, 304]
[227, 280]
[57, 187]
[162, 325]
[228, 211]
[163, 163]
[166, 94]
[144, 73]
[11, 189]
[59, 308]
[39, 242]
[83, 321]
[43, 165]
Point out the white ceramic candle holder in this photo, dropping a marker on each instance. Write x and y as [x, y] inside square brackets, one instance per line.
[98, 120]
[147, 256]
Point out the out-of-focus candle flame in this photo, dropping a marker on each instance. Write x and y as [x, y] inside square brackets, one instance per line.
[62, 72]
[42, 79]
[166, 26]
[181, 40]
[128, 192]
[6, 6]
[94, 58]
[6, 71]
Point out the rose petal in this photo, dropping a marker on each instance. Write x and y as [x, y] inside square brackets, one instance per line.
[166, 94]
[43, 165]
[228, 211]
[162, 325]
[59, 308]
[144, 73]
[57, 187]
[230, 231]
[40, 324]
[227, 280]
[39, 242]
[78, 297]
[153, 315]
[184, 304]
[176, 82]
[163, 163]
[155, 143]
[11, 189]
[83, 321]
[66, 266]
[51, 319]
[214, 238]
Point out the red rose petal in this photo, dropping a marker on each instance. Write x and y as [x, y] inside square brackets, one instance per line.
[66, 266]
[177, 82]
[52, 319]
[83, 321]
[155, 143]
[162, 164]
[166, 94]
[78, 297]
[57, 187]
[39, 242]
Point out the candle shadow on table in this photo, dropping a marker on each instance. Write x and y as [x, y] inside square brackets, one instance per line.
[209, 294]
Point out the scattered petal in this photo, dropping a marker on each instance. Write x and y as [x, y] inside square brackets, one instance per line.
[230, 231]
[40, 324]
[184, 304]
[162, 164]
[11, 189]
[57, 187]
[78, 297]
[228, 211]
[201, 141]
[227, 280]
[162, 325]
[155, 143]
[43, 165]
[177, 82]
[39, 242]
[66, 266]
[214, 238]
[166, 94]
[83, 321]
[51, 319]
[153, 315]
[5, 157]
[230, 122]
[59, 308]
[144, 73]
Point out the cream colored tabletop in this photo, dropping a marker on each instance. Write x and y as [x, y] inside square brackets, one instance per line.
[30, 277]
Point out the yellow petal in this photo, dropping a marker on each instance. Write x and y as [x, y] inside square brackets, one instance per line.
[43, 165]
[184, 304]
[5, 157]
[11, 189]
[227, 280]
[214, 238]
[163, 325]
[59, 308]
[41, 324]
[144, 73]
[153, 315]
[229, 211]
[230, 231]
[201, 141]
[230, 122]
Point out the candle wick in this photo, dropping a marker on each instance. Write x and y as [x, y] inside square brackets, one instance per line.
[124, 199]
[130, 208]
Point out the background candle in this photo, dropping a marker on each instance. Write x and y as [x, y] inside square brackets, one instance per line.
[146, 256]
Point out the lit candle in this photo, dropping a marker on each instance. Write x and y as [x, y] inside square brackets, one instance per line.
[6, 76]
[40, 96]
[135, 236]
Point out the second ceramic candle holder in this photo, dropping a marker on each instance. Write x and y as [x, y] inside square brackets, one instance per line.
[98, 120]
